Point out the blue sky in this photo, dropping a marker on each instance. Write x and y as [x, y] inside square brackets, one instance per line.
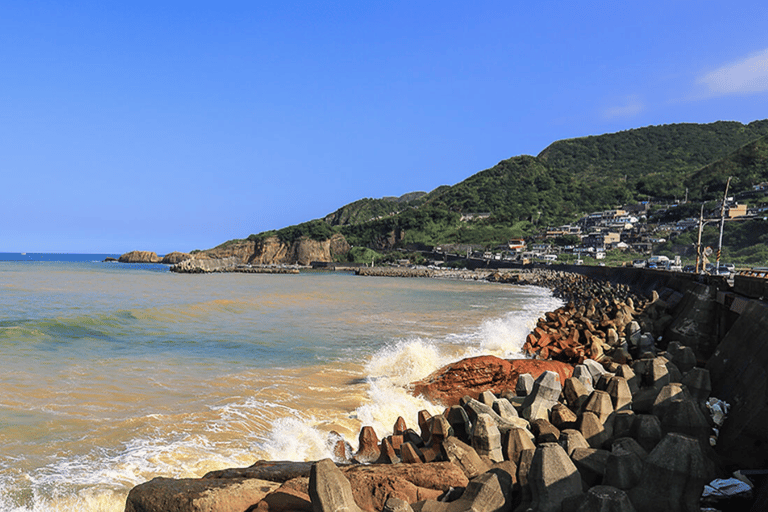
[171, 125]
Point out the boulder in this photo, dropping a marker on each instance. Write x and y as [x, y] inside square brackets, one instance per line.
[172, 258]
[140, 257]
[472, 376]
[198, 494]
[274, 471]
[489, 492]
[372, 485]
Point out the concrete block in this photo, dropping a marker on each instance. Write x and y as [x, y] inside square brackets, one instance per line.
[604, 498]
[553, 477]
[329, 489]
[591, 464]
[646, 430]
[673, 478]
[621, 396]
[600, 404]
[486, 438]
[571, 439]
[515, 441]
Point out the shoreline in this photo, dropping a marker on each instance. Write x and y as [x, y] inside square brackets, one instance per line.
[609, 321]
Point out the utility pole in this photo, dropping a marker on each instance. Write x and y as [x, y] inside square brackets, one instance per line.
[698, 243]
[722, 222]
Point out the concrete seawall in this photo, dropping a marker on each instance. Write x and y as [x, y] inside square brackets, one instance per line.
[727, 326]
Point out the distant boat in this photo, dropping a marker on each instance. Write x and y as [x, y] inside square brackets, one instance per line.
[23, 254]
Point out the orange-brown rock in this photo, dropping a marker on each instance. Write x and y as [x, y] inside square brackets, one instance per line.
[474, 375]
[140, 257]
[173, 258]
[271, 250]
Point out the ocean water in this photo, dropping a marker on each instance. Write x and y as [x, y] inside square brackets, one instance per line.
[112, 374]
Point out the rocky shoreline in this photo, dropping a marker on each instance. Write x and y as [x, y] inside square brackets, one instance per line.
[601, 418]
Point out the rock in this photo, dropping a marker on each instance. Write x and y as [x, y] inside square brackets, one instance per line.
[397, 505]
[198, 494]
[400, 427]
[489, 492]
[273, 251]
[287, 499]
[472, 376]
[553, 477]
[274, 471]
[604, 498]
[173, 258]
[372, 485]
[674, 475]
[469, 376]
[464, 456]
[486, 438]
[329, 489]
[139, 257]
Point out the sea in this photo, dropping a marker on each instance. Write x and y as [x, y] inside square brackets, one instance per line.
[113, 374]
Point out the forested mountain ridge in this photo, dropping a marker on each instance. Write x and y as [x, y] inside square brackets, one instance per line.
[568, 179]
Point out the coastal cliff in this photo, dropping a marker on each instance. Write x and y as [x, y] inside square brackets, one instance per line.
[273, 251]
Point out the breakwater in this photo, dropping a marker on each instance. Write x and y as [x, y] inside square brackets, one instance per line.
[232, 265]
[641, 435]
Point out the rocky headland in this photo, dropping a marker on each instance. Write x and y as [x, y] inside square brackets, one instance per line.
[602, 416]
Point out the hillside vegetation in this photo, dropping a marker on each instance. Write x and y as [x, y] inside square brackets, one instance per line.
[568, 179]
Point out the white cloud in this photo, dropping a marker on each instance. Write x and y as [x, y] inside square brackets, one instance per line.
[745, 76]
[630, 107]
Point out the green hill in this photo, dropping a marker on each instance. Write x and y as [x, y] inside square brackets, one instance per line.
[567, 180]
